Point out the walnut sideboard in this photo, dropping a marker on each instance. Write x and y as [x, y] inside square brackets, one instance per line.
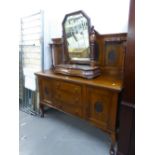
[94, 100]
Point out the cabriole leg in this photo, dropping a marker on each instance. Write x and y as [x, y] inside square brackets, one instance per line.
[41, 110]
[113, 148]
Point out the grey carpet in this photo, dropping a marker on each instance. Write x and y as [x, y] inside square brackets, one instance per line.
[60, 134]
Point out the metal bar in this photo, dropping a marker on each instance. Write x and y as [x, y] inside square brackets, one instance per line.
[22, 63]
[28, 45]
[31, 39]
[29, 21]
[42, 40]
[23, 28]
[31, 15]
[25, 34]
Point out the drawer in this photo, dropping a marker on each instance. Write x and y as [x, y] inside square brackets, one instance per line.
[67, 98]
[74, 110]
[67, 93]
[98, 105]
[67, 87]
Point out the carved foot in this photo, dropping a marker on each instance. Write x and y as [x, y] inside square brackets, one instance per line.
[113, 149]
[41, 111]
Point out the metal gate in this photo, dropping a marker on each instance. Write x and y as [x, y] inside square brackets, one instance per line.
[31, 52]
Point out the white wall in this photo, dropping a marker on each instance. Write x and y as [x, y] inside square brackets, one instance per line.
[108, 16]
[47, 40]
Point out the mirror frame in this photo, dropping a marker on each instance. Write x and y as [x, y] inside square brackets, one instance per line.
[65, 47]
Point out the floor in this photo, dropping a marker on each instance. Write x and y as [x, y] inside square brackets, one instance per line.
[60, 134]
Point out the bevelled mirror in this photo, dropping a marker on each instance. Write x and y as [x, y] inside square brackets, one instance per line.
[78, 47]
[76, 30]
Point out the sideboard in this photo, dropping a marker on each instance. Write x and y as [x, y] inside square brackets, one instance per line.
[94, 100]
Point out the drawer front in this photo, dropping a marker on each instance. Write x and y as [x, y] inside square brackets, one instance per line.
[67, 93]
[98, 106]
[72, 110]
[62, 95]
[67, 87]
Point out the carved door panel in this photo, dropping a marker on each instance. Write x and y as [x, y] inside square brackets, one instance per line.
[98, 106]
[46, 91]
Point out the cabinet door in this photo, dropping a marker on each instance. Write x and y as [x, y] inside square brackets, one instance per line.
[98, 106]
[46, 91]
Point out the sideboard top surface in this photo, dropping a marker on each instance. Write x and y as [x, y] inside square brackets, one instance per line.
[104, 81]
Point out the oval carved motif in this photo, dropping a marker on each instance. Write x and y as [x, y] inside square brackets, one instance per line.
[98, 106]
[46, 91]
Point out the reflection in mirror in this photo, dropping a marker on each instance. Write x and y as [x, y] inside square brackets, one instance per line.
[77, 37]
[79, 48]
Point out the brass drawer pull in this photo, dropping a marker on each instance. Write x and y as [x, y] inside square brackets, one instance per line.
[98, 106]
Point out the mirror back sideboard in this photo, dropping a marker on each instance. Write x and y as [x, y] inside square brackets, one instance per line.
[95, 100]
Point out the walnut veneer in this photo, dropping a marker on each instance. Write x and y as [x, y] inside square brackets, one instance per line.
[94, 100]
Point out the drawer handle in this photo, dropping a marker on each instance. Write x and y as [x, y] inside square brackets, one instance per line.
[46, 91]
[98, 106]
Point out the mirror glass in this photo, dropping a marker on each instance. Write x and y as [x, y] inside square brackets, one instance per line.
[76, 28]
